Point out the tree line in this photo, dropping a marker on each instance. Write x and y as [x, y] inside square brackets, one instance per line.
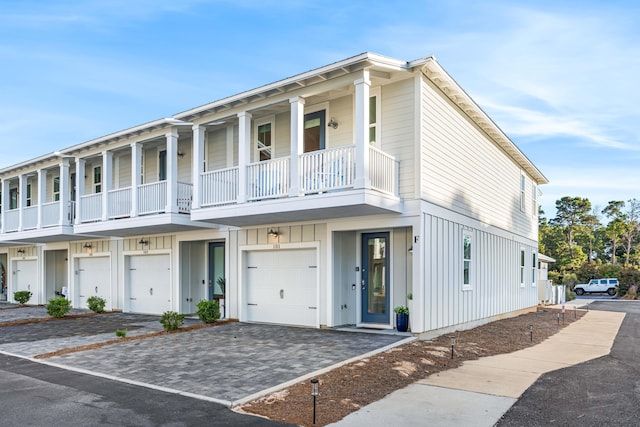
[591, 241]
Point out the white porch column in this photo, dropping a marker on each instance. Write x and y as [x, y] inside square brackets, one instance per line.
[172, 171]
[64, 192]
[361, 131]
[297, 143]
[6, 202]
[198, 165]
[107, 172]
[42, 194]
[244, 154]
[22, 199]
[80, 171]
[136, 171]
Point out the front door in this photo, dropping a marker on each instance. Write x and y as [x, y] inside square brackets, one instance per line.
[314, 129]
[375, 278]
[216, 273]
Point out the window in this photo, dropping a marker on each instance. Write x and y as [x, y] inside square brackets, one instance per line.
[97, 179]
[534, 200]
[28, 194]
[264, 142]
[162, 165]
[13, 198]
[522, 264]
[374, 116]
[314, 131]
[56, 189]
[466, 263]
[522, 188]
[533, 269]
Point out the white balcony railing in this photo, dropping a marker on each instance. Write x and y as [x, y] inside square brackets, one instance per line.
[50, 214]
[91, 207]
[120, 203]
[219, 187]
[269, 179]
[185, 196]
[29, 218]
[326, 170]
[12, 218]
[152, 197]
[383, 171]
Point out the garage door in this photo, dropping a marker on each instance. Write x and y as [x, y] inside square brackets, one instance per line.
[26, 278]
[93, 279]
[282, 287]
[149, 283]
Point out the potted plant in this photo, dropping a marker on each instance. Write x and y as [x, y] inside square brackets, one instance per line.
[402, 318]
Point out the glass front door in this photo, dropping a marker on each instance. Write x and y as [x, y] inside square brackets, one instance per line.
[375, 278]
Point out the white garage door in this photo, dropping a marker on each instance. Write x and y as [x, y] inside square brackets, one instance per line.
[26, 278]
[93, 279]
[149, 283]
[282, 287]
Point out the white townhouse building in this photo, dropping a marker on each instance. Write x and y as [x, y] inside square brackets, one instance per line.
[320, 200]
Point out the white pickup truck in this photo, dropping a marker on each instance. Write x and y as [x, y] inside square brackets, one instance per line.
[610, 286]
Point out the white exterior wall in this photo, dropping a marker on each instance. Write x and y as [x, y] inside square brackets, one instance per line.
[463, 170]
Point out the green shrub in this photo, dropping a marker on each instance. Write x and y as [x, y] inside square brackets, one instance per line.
[171, 320]
[22, 297]
[58, 307]
[96, 304]
[121, 333]
[208, 311]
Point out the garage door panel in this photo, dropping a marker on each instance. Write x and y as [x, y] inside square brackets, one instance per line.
[149, 283]
[282, 287]
[93, 279]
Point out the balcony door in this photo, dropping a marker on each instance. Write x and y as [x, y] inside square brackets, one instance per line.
[314, 131]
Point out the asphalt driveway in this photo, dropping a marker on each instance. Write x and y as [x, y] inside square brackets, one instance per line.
[228, 363]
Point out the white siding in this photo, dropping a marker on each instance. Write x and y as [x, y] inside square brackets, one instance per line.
[342, 110]
[495, 274]
[465, 171]
[124, 172]
[216, 154]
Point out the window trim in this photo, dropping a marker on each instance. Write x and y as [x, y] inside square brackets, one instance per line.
[523, 187]
[56, 188]
[28, 197]
[375, 93]
[534, 265]
[534, 199]
[256, 127]
[97, 184]
[467, 263]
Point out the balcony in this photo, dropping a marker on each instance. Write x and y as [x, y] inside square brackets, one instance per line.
[326, 189]
[46, 223]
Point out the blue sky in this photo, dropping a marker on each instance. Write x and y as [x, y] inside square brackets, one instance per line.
[560, 78]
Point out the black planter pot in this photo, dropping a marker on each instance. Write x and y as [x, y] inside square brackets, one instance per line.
[402, 322]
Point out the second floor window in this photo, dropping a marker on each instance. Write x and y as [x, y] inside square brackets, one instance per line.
[264, 142]
[374, 116]
[97, 179]
[522, 191]
[28, 194]
[56, 189]
[162, 165]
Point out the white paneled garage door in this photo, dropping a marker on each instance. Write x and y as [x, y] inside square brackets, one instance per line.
[149, 283]
[282, 287]
[93, 278]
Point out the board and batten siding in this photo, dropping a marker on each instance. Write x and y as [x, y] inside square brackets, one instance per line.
[465, 171]
[495, 286]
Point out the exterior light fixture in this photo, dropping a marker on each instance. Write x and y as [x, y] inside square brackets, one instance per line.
[143, 242]
[314, 393]
[180, 154]
[333, 123]
[273, 233]
[21, 251]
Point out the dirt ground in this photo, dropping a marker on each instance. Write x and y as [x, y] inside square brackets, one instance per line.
[350, 387]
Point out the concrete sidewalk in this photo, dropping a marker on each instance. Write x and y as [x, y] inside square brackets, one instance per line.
[479, 392]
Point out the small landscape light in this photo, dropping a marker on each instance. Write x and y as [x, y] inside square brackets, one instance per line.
[314, 393]
[575, 311]
[531, 332]
[453, 343]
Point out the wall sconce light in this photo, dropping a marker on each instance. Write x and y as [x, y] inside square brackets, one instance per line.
[87, 246]
[180, 154]
[273, 233]
[410, 249]
[333, 123]
[21, 251]
[143, 242]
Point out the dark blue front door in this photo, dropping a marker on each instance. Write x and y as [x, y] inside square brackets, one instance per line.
[375, 278]
[216, 271]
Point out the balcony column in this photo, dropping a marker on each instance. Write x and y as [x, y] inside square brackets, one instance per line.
[64, 193]
[6, 202]
[107, 173]
[198, 165]
[22, 199]
[172, 171]
[361, 131]
[42, 194]
[80, 171]
[136, 171]
[244, 154]
[297, 143]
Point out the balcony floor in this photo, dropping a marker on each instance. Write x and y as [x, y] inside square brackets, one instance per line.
[341, 204]
[147, 224]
